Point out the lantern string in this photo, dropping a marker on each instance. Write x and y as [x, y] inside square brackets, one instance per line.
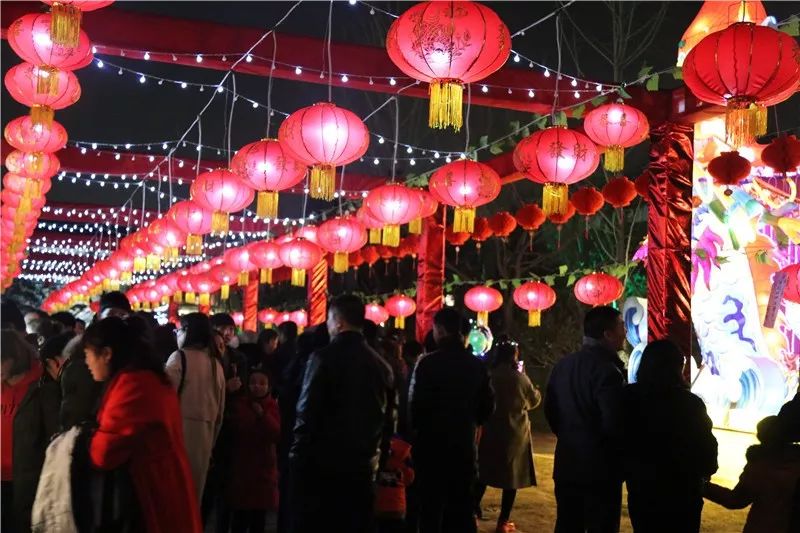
[158, 193]
[544, 18]
[269, 81]
[230, 119]
[199, 144]
[466, 121]
[558, 49]
[305, 199]
[341, 190]
[330, 59]
[396, 135]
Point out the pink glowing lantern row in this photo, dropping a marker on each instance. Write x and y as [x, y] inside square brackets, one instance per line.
[21, 82]
[324, 136]
[393, 205]
[65, 26]
[300, 255]
[483, 300]
[266, 256]
[464, 185]
[239, 260]
[194, 220]
[225, 275]
[598, 289]
[534, 297]
[267, 167]
[615, 127]
[222, 192]
[267, 316]
[25, 135]
[373, 225]
[427, 208]
[376, 313]
[33, 165]
[400, 307]
[341, 236]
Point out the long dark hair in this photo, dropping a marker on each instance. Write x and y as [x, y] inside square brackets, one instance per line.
[661, 366]
[505, 353]
[198, 331]
[130, 341]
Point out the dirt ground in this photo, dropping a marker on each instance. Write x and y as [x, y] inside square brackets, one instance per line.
[535, 508]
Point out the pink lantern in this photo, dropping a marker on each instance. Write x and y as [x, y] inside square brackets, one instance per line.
[266, 256]
[341, 236]
[238, 318]
[371, 223]
[225, 275]
[24, 134]
[465, 185]
[239, 260]
[598, 289]
[33, 165]
[393, 205]
[22, 80]
[400, 307]
[483, 300]
[204, 284]
[307, 232]
[267, 316]
[299, 317]
[222, 192]
[616, 126]
[164, 232]
[534, 297]
[300, 255]
[427, 208]
[376, 313]
[194, 220]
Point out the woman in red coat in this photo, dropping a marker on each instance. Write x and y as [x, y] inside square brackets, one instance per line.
[140, 425]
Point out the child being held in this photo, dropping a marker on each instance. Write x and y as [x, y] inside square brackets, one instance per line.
[390, 495]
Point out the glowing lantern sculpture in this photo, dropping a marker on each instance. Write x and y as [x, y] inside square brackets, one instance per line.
[464, 185]
[376, 313]
[21, 81]
[448, 44]
[266, 256]
[619, 192]
[66, 18]
[341, 236]
[616, 127]
[782, 154]
[728, 169]
[324, 136]
[39, 165]
[742, 66]
[598, 289]
[300, 255]
[225, 275]
[222, 192]
[483, 300]
[393, 205]
[427, 208]
[268, 168]
[400, 307]
[556, 157]
[717, 15]
[534, 297]
[194, 220]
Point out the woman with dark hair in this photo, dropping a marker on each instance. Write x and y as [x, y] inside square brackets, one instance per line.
[505, 452]
[164, 340]
[197, 375]
[139, 425]
[669, 449]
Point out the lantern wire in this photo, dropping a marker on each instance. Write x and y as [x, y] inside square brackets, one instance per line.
[269, 81]
[341, 190]
[330, 59]
[558, 76]
[396, 134]
[158, 193]
[230, 118]
[544, 18]
[199, 143]
[466, 120]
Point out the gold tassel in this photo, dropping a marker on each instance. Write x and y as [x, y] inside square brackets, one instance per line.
[139, 264]
[125, 276]
[391, 236]
[33, 188]
[266, 276]
[739, 123]
[194, 244]
[47, 80]
[374, 235]
[225, 292]
[534, 318]
[205, 299]
[298, 277]
[415, 226]
[106, 285]
[464, 220]
[190, 297]
[153, 262]
[177, 297]
[136, 306]
[323, 182]
[340, 262]
[267, 204]
[445, 105]
[219, 222]
[165, 300]
[65, 25]
[614, 159]
[42, 114]
[759, 119]
[483, 318]
[554, 198]
[35, 162]
[24, 204]
[400, 322]
[244, 279]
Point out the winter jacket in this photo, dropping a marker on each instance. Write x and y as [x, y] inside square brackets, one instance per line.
[202, 400]
[139, 425]
[80, 393]
[393, 478]
[10, 398]
[505, 452]
[253, 473]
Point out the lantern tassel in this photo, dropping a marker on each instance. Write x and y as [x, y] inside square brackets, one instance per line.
[391, 236]
[323, 182]
[267, 204]
[65, 25]
[35, 162]
[265, 276]
[177, 297]
[47, 80]
[153, 262]
[205, 299]
[554, 199]
[534, 318]
[445, 106]
[298, 277]
[614, 159]
[125, 276]
[400, 322]
[190, 298]
[225, 292]
[219, 222]
[483, 318]
[759, 120]
[739, 123]
[139, 264]
[415, 226]
[340, 262]
[244, 279]
[374, 235]
[42, 115]
[106, 284]
[464, 220]
[194, 244]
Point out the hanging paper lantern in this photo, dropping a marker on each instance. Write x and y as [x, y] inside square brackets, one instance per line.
[534, 297]
[371, 223]
[642, 185]
[483, 300]
[619, 192]
[465, 185]
[341, 236]
[400, 307]
[166, 233]
[556, 157]
[32, 165]
[530, 217]
[32, 188]
[171, 281]
[186, 285]
[23, 134]
[268, 168]
[376, 313]
[370, 255]
[615, 127]
[728, 169]
[238, 259]
[502, 224]
[559, 219]
[715, 16]
[225, 275]
[457, 239]
[267, 316]
[393, 205]
[307, 232]
[124, 263]
[324, 136]
[204, 285]
[482, 231]
[587, 201]
[21, 81]
[739, 67]
[238, 318]
[66, 18]
[598, 289]
[356, 259]
[194, 220]
[110, 275]
[782, 154]
[300, 255]
[448, 44]
[222, 192]
[299, 317]
[266, 256]
[427, 208]
[130, 245]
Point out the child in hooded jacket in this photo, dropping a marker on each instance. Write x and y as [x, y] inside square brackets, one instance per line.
[392, 480]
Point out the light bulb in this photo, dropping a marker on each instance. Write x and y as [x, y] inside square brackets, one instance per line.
[484, 89]
[531, 93]
[184, 85]
[516, 58]
[147, 56]
[392, 82]
[298, 70]
[247, 58]
[199, 58]
[574, 82]
[100, 63]
[345, 79]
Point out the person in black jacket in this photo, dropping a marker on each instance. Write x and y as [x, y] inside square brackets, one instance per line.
[450, 396]
[346, 415]
[584, 409]
[80, 393]
[669, 449]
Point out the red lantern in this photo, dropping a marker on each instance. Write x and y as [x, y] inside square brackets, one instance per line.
[598, 289]
[166, 233]
[204, 285]
[393, 205]
[502, 224]
[66, 18]
[483, 300]
[371, 223]
[21, 81]
[728, 169]
[370, 255]
[307, 232]
[559, 219]
[482, 231]
[194, 220]
[456, 238]
[23, 134]
[534, 297]
[448, 44]
[267, 316]
[222, 192]
[171, 281]
[124, 263]
[740, 67]
[716, 16]
[376, 313]
[530, 217]
[341, 236]
[266, 256]
[239, 261]
[31, 188]
[400, 307]
[300, 255]
[39, 165]
[782, 154]
[238, 318]
[587, 201]
[299, 317]
[268, 168]
[324, 136]
[427, 208]
[642, 184]
[465, 185]
[615, 127]
[225, 275]
[556, 157]
[356, 259]
[619, 192]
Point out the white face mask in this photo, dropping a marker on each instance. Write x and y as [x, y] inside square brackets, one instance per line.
[234, 343]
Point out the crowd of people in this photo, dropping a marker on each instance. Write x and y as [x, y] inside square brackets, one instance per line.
[127, 425]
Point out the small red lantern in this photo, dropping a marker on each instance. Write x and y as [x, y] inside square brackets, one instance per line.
[356, 259]
[194, 220]
[23, 134]
[534, 297]
[324, 136]
[300, 255]
[268, 168]
[559, 219]
[267, 316]
[619, 192]
[225, 275]
[400, 307]
[266, 256]
[587, 201]
[482, 231]
[465, 185]
[483, 300]
[530, 217]
[615, 127]
[376, 313]
[66, 18]
[598, 289]
[556, 157]
[456, 238]
[239, 261]
[370, 255]
[222, 192]
[427, 208]
[39, 165]
[341, 236]
[21, 81]
[393, 205]
[642, 184]
[728, 169]
[448, 44]
[502, 224]
[782, 154]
